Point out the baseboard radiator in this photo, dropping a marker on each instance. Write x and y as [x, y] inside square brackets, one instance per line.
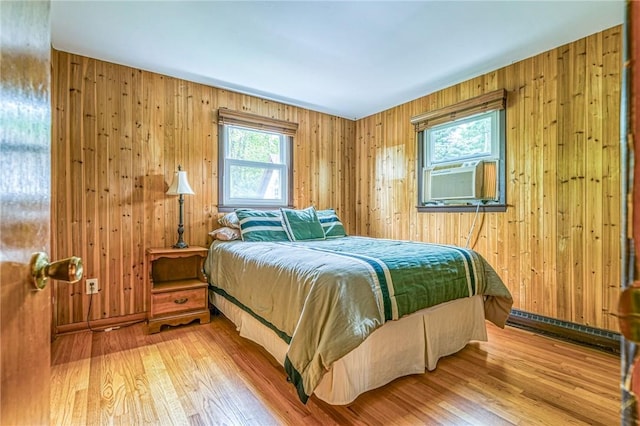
[601, 339]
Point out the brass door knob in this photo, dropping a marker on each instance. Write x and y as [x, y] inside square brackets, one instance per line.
[69, 269]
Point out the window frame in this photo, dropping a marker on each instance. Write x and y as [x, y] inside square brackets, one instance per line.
[496, 126]
[286, 130]
[487, 103]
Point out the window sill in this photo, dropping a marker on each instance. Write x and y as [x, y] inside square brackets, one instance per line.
[227, 209]
[459, 208]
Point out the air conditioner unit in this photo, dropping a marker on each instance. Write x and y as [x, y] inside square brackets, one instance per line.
[471, 180]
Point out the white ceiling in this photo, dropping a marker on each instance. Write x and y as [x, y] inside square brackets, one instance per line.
[347, 58]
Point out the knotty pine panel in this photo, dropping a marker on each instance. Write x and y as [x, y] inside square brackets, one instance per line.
[119, 134]
[557, 247]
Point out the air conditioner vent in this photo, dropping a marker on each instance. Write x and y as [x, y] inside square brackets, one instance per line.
[472, 180]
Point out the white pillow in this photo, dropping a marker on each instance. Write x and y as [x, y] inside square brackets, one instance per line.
[225, 234]
[229, 220]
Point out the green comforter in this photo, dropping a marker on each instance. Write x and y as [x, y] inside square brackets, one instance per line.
[325, 297]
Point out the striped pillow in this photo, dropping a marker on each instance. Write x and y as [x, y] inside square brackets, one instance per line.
[302, 225]
[331, 224]
[259, 225]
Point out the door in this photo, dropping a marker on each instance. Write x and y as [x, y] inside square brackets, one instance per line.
[25, 158]
[629, 306]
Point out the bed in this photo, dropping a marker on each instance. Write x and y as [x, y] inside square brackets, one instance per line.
[346, 314]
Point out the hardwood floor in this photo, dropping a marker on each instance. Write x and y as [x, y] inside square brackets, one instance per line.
[207, 374]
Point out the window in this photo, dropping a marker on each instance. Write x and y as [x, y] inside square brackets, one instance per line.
[255, 161]
[255, 167]
[465, 139]
[461, 155]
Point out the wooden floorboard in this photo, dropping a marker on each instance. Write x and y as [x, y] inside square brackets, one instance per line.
[207, 375]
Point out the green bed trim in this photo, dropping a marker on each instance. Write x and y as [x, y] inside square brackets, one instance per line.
[296, 379]
[235, 301]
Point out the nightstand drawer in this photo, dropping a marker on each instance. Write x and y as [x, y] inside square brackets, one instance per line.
[178, 301]
[177, 287]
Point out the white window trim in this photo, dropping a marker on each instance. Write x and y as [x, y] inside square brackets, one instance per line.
[284, 186]
[286, 131]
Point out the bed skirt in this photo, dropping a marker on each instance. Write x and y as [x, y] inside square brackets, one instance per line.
[407, 346]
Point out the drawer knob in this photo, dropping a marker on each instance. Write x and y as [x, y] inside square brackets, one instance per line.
[181, 301]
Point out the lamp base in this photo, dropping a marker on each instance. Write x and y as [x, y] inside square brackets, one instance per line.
[180, 244]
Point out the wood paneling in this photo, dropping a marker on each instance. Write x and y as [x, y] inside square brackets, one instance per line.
[119, 134]
[557, 247]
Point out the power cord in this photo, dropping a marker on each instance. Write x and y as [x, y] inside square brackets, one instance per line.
[104, 330]
[89, 312]
[473, 225]
[95, 330]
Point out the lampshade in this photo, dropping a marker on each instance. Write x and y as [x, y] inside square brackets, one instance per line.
[180, 184]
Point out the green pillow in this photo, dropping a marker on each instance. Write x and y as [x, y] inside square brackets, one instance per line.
[259, 225]
[302, 225]
[331, 224]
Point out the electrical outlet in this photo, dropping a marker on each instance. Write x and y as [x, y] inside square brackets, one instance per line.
[92, 285]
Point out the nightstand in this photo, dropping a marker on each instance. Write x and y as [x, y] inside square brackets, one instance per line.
[177, 286]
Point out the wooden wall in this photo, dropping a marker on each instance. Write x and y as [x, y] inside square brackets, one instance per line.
[557, 247]
[119, 135]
